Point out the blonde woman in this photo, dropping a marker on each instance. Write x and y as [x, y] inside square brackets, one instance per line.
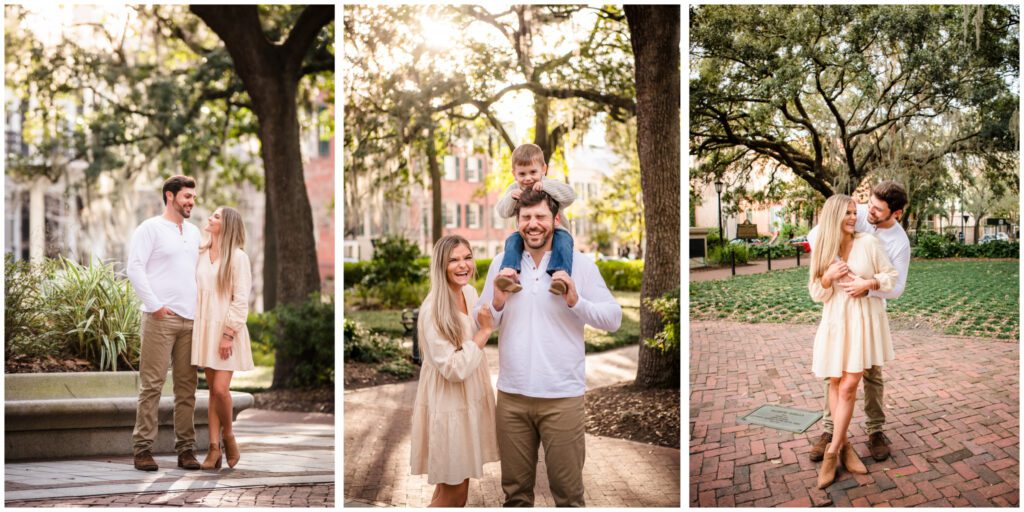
[453, 430]
[854, 332]
[220, 338]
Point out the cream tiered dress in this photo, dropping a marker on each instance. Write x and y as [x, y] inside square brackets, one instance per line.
[854, 332]
[453, 429]
[214, 311]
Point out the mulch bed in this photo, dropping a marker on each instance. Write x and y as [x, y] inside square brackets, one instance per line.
[49, 364]
[366, 375]
[296, 400]
[626, 412]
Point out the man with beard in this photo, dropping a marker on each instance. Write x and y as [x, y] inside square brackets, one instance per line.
[162, 269]
[880, 217]
[541, 379]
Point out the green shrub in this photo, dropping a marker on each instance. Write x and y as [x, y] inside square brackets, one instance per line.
[776, 251]
[394, 259]
[26, 309]
[624, 276]
[354, 273]
[364, 346]
[261, 337]
[304, 334]
[667, 308]
[401, 368]
[719, 255]
[97, 313]
[999, 249]
[933, 245]
[401, 294]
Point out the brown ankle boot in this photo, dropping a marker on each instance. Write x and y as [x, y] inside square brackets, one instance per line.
[213, 458]
[231, 451]
[851, 461]
[829, 468]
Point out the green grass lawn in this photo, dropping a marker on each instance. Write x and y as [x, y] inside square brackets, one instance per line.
[388, 322]
[967, 298]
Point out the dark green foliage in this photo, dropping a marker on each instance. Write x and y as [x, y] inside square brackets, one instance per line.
[776, 250]
[302, 333]
[723, 255]
[354, 272]
[25, 308]
[393, 260]
[932, 245]
[667, 307]
[364, 346]
[624, 276]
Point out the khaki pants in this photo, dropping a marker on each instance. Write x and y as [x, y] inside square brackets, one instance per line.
[525, 423]
[165, 342]
[874, 393]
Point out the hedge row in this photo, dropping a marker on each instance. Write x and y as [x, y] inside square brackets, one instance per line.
[618, 275]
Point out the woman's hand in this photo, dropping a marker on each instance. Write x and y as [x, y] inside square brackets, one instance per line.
[225, 347]
[836, 270]
[485, 320]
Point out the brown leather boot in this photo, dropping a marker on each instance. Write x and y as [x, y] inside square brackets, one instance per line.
[231, 451]
[213, 458]
[818, 450]
[187, 460]
[879, 446]
[144, 461]
[851, 461]
[828, 470]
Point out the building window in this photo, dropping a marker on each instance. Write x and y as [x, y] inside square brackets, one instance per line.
[496, 221]
[451, 168]
[473, 213]
[474, 168]
[450, 215]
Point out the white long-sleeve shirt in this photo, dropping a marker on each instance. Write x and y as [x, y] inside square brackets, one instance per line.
[897, 247]
[540, 344]
[162, 266]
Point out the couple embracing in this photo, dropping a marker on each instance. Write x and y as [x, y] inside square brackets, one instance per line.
[194, 290]
[540, 311]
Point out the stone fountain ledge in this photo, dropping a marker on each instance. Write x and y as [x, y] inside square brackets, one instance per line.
[63, 415]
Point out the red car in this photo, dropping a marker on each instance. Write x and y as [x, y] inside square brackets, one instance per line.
[801, 244]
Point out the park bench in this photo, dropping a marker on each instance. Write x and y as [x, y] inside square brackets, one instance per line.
[61, 415]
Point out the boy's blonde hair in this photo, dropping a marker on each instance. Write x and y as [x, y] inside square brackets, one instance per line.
[526, 154]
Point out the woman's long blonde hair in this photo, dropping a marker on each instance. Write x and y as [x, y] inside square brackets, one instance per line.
[830, 234]
[232, 236]
[444, 305]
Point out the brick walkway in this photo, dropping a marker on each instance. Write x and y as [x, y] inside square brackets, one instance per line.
[281, 496]
[617, 473]
[287, 461]
[952, 411]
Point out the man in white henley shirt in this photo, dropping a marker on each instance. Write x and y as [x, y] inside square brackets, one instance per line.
[541, 379]
[880, 218]
[162, 269]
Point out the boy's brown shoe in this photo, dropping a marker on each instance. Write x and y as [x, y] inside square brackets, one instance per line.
[818, 450]
[144, 461]
[558, 288]
[879, 446]
[507, 284]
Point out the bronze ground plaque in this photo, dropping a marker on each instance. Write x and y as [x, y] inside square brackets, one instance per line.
[782, 418]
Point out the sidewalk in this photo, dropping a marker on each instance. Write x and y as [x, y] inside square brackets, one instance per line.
[617, 473]
[287, 460]
[754, 267]
[951, 409]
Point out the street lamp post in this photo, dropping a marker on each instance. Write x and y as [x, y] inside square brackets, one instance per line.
[718, 189]
[963, 227]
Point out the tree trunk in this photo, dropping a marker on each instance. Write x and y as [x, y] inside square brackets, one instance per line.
[541, 107]
[654, 35]
[270, 73]
[269, 262]
[436, 224]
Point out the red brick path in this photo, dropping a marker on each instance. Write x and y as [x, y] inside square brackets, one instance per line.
[313, 496]
[952, 416]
